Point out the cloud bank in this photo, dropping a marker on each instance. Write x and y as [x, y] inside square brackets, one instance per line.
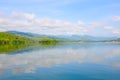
[116, 18]
[29, 22]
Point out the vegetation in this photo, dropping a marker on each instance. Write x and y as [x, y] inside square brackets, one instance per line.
[118, 40]
[11, 42]
[115, 40]
[46, 42]
[6, 38]
[11, 47]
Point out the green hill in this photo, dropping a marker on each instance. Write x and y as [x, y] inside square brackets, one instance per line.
[6, 38]
[10, 42]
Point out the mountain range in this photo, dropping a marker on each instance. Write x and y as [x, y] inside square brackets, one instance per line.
[65, 37]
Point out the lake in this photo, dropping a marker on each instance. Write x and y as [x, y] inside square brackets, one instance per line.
[70, 61]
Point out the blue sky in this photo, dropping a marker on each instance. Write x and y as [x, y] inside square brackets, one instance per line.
[69, 17]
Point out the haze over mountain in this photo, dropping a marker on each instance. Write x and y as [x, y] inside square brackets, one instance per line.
[68, 37]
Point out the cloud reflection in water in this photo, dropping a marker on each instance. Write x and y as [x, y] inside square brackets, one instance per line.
[29, 62]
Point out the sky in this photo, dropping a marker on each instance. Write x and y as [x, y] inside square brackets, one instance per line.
[61, 17]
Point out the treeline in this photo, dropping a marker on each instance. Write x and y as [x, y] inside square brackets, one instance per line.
[4, 42]
[48, 40]
[11, 42]
[6, 38]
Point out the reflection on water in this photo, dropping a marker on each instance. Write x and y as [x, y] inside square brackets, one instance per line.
[10, 47]
[7, 48]
[70, 60]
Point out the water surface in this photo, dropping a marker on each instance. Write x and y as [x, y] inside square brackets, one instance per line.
[74, 61]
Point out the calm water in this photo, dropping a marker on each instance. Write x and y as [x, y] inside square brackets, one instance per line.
[75, 61]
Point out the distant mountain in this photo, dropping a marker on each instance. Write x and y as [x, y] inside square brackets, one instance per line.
[65, 37]
[84, 37]
[22, 33]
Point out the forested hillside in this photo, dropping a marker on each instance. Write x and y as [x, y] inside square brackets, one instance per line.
[6, 38]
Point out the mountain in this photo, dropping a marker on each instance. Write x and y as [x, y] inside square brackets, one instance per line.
[22, 33]
[64, 37]
[28, 34]
[82, 37]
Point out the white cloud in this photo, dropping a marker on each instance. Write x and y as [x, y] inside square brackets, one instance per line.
[1, 14]
[112, 30]
[28, 22]
[81, 23]
[116, 32]
[116, 18]
[18, 15]
[108, 27]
